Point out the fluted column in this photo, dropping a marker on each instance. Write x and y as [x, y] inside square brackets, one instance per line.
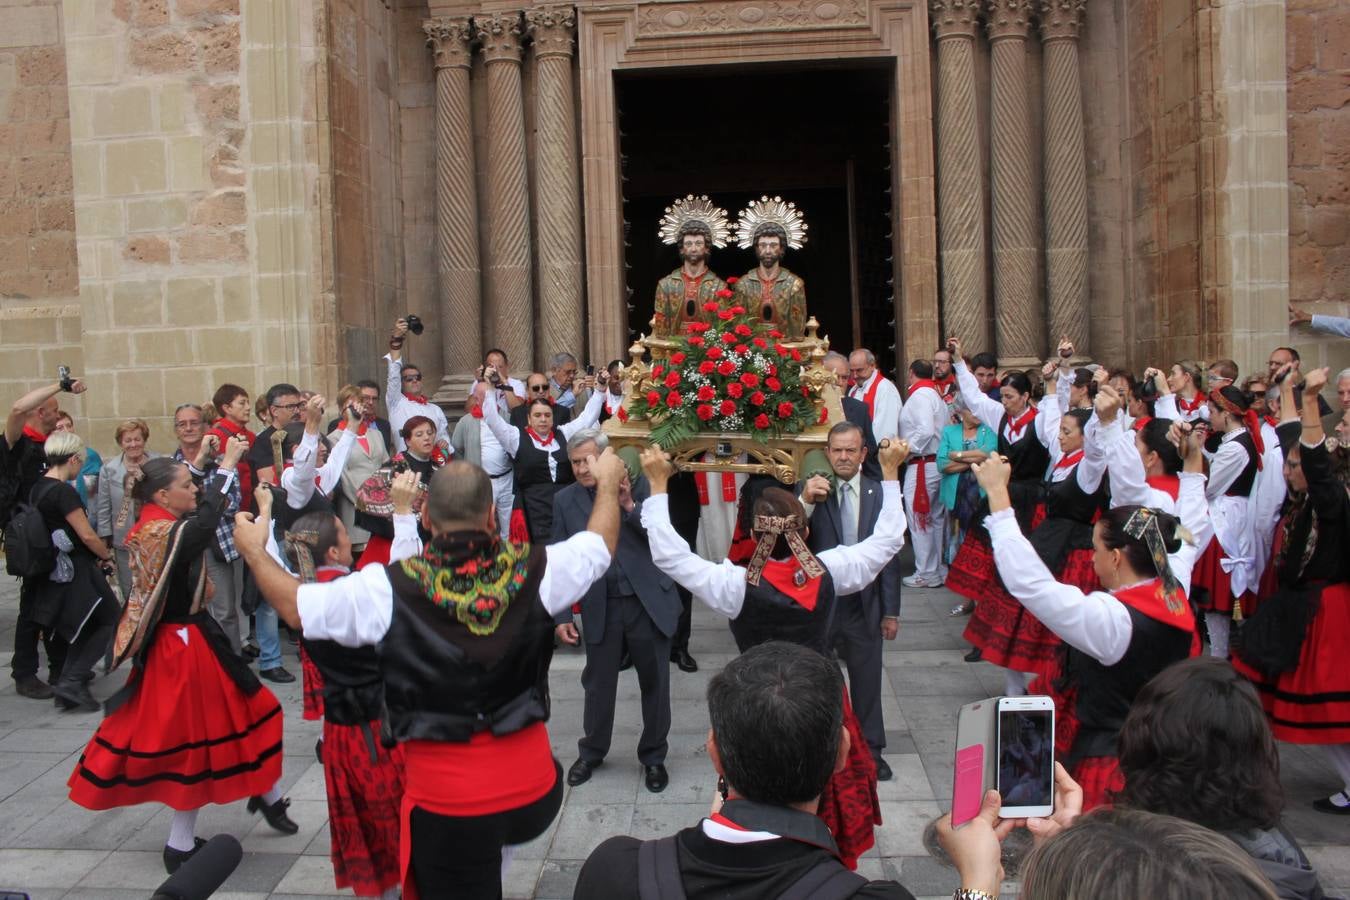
[459, 279]
[510, 288]
[557, 190]
[961, 242]
[1016, 299]
[1066, 240]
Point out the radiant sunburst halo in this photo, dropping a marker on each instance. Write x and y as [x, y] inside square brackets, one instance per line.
[691, 209]
[775, 211]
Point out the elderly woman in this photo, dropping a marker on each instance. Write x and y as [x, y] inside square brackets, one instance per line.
[113, 506]
[369, 453]
[967, 442]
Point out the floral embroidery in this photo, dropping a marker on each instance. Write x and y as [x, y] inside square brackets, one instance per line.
[477, 591]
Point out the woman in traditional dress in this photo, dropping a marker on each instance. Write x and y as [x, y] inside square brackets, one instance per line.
[1179, 395]
[788, 594]
[193, 725]
[539, 452]
[374, 508]
[1119, 637]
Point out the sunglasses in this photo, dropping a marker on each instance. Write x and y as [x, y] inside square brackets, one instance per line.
[538, 388]
[408, 378]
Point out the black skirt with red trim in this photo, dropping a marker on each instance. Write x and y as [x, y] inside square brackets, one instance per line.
[849, 805]
[1212, 587]
[188, 733]
[1311, 703]
[365, 795]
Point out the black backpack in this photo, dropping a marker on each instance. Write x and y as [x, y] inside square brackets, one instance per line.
[28, 542]
[659, 876]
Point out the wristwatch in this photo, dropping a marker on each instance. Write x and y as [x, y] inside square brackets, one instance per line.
[972, 894]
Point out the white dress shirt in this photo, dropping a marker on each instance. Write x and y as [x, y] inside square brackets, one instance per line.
[401, 409]
[885, 405]
[922, 419]
[1129, 485]
[508, 436]
[855, 484]
[300, 479]
[991, 412]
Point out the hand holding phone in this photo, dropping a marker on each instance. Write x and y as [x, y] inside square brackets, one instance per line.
[1026, 756]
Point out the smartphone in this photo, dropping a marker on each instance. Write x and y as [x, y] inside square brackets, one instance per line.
[590, 370]
[1026, 756]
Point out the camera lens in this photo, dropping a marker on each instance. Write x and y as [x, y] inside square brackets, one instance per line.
[414, 323]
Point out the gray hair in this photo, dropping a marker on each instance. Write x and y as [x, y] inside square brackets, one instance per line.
[832, 356]
[867, 355]
[588, 436]
[1342, 375]
[560, 359]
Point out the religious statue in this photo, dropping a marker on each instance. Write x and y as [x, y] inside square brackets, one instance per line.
[770, 291]
[695, 226]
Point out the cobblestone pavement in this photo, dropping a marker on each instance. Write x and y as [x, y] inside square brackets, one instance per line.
[52, 848]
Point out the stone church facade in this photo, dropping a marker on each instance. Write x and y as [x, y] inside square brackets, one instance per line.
[195, 192]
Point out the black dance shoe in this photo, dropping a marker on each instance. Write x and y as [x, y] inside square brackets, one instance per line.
[884, 772]
[75, 697]
[1328, 804]
[975, 655]
[275, 814]
[277, 674]
[173, 859]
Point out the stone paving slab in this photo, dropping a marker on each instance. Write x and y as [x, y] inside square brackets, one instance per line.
[54, 849]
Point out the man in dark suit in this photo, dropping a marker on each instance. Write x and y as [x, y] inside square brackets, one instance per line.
[855, 411]
[537, 387]
[636, 605]
[844, 513]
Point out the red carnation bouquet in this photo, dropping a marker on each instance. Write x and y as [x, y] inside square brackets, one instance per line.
[729, 375]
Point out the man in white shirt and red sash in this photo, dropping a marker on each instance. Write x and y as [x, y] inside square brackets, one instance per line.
[877, 392]
[922, 419]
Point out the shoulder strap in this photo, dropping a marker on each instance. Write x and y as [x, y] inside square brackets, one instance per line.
[659, 870]
[826, 880]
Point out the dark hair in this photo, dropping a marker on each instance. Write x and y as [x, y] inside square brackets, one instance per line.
[1018, 381]
[156, 475]
[614, 366]
[1081, 416]
[458, 491]
[695, 227]
[776, 712]
[770, 229]
[277, 391]
[1235, 395]
[1227, 368]
[413, 424]
[1196, 745]
[1154, 435]
[406, 366]
[845, 427]
[1136, 550]
[775, 501]
[324, 527]
[537, 401]
[368, 383]
[984, 360]
[295, 433]
[922, 368]
[500, 352]
[1082, 378]
[225, 395]
[1293, 354]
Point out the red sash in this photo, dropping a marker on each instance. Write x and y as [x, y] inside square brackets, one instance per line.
[1015, 428]
[728, 487]
[922, 505]
[870, 397]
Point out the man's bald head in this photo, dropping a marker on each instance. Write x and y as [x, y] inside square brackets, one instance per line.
[460, 496]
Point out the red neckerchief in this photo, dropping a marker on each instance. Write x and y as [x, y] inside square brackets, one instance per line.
[476, 410]
[34, 435]
[782, 574]
[923, 383]
[870, 397]
[1193, 405]
[1015, 428]
[534, 436]
[1069, 459]
[150, 512]
[1141, 423]
[1150, 599]
[234, 430]
[946, 386]
[1272, 421]
[360, 433]
[728, 487]
[1168, 484]
[330, 573]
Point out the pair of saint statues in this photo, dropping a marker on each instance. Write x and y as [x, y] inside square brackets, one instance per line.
[769, 291]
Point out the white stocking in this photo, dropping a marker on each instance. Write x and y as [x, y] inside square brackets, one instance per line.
[1014, 683]
[183, 830]
[508, 853]
[272, 796]
[1218, 624]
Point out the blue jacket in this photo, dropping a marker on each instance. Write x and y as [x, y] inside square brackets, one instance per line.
[952, 442]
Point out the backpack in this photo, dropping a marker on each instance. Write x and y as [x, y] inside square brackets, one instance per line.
[659, 876]
[28, 542]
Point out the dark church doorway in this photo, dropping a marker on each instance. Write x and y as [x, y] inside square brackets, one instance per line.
[819, 137]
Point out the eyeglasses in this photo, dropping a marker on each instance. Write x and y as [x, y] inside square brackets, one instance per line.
[538, 388]
[299, 404]
[183, 426]
[410, 378]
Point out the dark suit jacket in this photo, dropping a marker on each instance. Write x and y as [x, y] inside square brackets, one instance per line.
[855, 411]
[882, 596]
[520, 415]
[571, 512]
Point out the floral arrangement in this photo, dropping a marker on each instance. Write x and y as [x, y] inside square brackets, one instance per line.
[727, 376]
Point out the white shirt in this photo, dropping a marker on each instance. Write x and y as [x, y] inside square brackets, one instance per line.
[508, 435]
[722, 585]
[1097, 624]
[299, 479]
[1227, 464]
[1129, 485]
[356, 611]
[922, 419]
[401, 409]
[1167, 407]
[407, 542]
[885, 405]
[991, 411]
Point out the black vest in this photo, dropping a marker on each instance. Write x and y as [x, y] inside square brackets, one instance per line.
[1106, 692]
[535, 487]
[1069, 514]
[1029, 460]
[353, 693]
[1242, 487]
[444, 683]
[770, 615]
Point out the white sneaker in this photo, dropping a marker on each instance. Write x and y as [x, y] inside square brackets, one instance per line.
[918, 581]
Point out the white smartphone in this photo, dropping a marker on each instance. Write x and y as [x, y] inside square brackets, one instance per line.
[1026, 756]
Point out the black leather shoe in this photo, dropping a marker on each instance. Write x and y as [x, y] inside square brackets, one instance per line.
[75, 697]
[33, 687]
[975, 655]
[656, 778]
[250, 651]
[581, 770]
[278, 675]
[318, 750]
[884, 772]
[680, 657]
[275, 814]
[175, 858]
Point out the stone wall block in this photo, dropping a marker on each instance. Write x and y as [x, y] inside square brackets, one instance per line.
[218, 48]
[135, 167]
[221, 209]
[204, 245]
[147, 249]
[163, 53]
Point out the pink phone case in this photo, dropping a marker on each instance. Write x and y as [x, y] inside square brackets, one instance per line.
[967, 784]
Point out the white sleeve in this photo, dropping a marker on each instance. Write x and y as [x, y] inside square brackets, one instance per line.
[1225, 467]
[407, 543]
[442, 425]
[1097, 623]
[573, 566]
[721, 586]
[506, 434]
[886, 419]
[589, 416]
[298, 480]
[1165, 407]
[1128, 484]
[1338, 325]
[354, 611]
[393, 386]
[989, 411]
[1066, 379]
[1048, 416]
[1089, 471]
[855, 567]
[1193, 511]
[330, 473]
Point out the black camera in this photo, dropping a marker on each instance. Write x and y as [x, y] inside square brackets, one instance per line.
[1146, 390]
[63, 376]
[414, 323]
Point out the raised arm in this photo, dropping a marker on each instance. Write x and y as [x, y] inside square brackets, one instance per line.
[1105, 427]
[989, 410]
[580, 561]
[589, 416]
[506, 434]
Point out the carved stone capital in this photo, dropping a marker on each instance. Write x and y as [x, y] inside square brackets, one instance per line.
[551, 29]
[954, 18]
[449, 38]
[1007, 18]
[1061, 20]
[500, 34]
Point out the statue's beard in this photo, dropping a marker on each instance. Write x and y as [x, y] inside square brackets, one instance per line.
[694, 256]
[770, 258]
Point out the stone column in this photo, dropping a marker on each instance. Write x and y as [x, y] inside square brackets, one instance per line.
[1066, 239]
[960, 179]
[510, 284]
[1017, 309]
[557, 190]
[459, 278]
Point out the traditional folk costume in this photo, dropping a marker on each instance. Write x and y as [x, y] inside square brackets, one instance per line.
[1115, 641]
[375, 511]
[793, 600]
[882, 399]
[193, 725]
[1179, 409]
[464, 637]
[922, 420]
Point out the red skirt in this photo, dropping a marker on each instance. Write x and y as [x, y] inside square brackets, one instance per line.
[187, 737]
[365, 797]
[312, 681]
[376, 552]
[849, 805]
[1218, 587]
[1311, 704]
[1100, 778]
[973, 568]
